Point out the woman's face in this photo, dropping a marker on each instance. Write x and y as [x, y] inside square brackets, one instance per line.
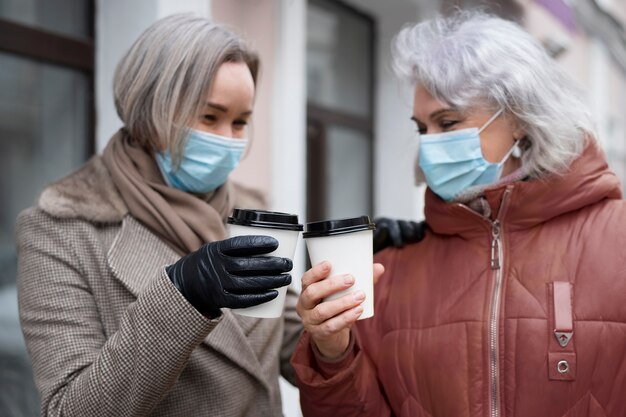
[229, 102]
[433, 116]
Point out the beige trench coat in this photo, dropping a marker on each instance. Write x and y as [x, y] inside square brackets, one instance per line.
[109, 335]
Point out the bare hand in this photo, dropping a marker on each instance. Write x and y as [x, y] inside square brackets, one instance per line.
[329, 322]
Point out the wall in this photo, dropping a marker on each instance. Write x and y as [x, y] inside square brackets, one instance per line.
[589, 63]
[118, 24]
[254, 21]
[395, 138]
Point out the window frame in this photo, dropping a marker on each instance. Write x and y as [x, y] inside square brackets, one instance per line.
[51, 48]
[319, 117]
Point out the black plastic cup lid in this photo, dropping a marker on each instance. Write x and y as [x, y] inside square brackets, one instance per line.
[338, 227]
[263, 218]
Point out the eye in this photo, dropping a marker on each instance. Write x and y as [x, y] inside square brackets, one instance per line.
[421, 129]
[210, 118]
[240, 123]
[448, 124]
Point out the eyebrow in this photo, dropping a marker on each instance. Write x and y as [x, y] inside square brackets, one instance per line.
[434, 114]
[224, 109]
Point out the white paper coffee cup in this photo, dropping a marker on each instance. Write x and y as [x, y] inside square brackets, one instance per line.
[282, 227]
[347, 245]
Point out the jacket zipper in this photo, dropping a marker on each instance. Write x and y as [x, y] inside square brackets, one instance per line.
[496, 261]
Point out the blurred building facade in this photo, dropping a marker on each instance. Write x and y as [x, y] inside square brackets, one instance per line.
[331, 135]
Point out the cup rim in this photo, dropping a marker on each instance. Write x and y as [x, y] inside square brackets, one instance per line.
[338, 227]
[263, 219]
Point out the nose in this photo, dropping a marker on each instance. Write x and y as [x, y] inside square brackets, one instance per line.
[224, 130]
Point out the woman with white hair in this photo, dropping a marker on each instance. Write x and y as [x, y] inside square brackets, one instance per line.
[115, 321]
[513, 304]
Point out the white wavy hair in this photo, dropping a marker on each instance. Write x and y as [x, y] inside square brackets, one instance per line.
[472, 58]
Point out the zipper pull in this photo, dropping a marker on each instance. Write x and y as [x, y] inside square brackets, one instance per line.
[495, 245]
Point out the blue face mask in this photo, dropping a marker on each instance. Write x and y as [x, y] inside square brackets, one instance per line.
[206, 162]
[453, 161]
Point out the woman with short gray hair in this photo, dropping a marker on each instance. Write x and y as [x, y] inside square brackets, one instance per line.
[513, 304]
[124, 265]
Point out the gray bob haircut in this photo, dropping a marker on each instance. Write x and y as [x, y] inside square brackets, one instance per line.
[474, 59]
[161, 83]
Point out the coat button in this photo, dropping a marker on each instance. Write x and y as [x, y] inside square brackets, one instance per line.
[562, 367]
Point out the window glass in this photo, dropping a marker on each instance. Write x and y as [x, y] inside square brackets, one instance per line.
[338, 59]
[348, 167]
[64, 17]
[44, 134]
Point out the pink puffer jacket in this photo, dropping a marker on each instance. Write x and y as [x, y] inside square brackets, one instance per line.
[521, 315]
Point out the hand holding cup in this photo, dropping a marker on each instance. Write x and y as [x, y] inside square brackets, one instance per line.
[284, 228]
[329, 321]
[231, 273]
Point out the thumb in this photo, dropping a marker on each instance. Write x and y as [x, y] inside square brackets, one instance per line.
[379, 270]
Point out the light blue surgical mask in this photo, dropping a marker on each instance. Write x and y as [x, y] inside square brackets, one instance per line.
[453, 161]
[206, 162]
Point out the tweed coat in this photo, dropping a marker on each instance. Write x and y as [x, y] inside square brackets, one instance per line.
[109, 335]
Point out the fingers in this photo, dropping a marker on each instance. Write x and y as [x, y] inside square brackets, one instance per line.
[248, 245]
[412, 231]
[395, 233]
[313, 293]
[379, 270]
[249, 300]
[381, 234]
[259, 265]
[254, 285]
[329, 309]
[420, 230]
[336, 324]
[316, 273]
[407, 230]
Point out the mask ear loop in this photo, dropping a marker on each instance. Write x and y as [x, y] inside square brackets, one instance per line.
[494, 117]
[514, 149]
[508, 154]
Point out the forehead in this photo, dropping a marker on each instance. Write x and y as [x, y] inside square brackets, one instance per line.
[232, 80]
[424, 104]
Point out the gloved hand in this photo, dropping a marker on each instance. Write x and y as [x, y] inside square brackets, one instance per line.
[396, 232]
[227, 273]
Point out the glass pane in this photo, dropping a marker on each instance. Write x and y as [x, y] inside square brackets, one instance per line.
[44, 134]
[348, 173]
[339, 72]
[18, 395]
[66, 17]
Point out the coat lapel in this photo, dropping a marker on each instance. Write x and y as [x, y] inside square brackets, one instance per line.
[135, 269]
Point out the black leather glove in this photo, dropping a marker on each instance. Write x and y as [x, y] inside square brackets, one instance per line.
[228, 274]
[396, 232]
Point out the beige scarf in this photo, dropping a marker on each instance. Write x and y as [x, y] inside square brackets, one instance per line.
[185, 221]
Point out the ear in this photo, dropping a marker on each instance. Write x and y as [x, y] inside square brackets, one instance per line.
[519, 134]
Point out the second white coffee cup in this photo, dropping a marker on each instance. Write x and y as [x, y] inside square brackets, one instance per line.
[347, 245]
[283, 227]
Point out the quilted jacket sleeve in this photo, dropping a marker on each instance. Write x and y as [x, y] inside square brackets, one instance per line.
[352, 386]
[79, 371]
